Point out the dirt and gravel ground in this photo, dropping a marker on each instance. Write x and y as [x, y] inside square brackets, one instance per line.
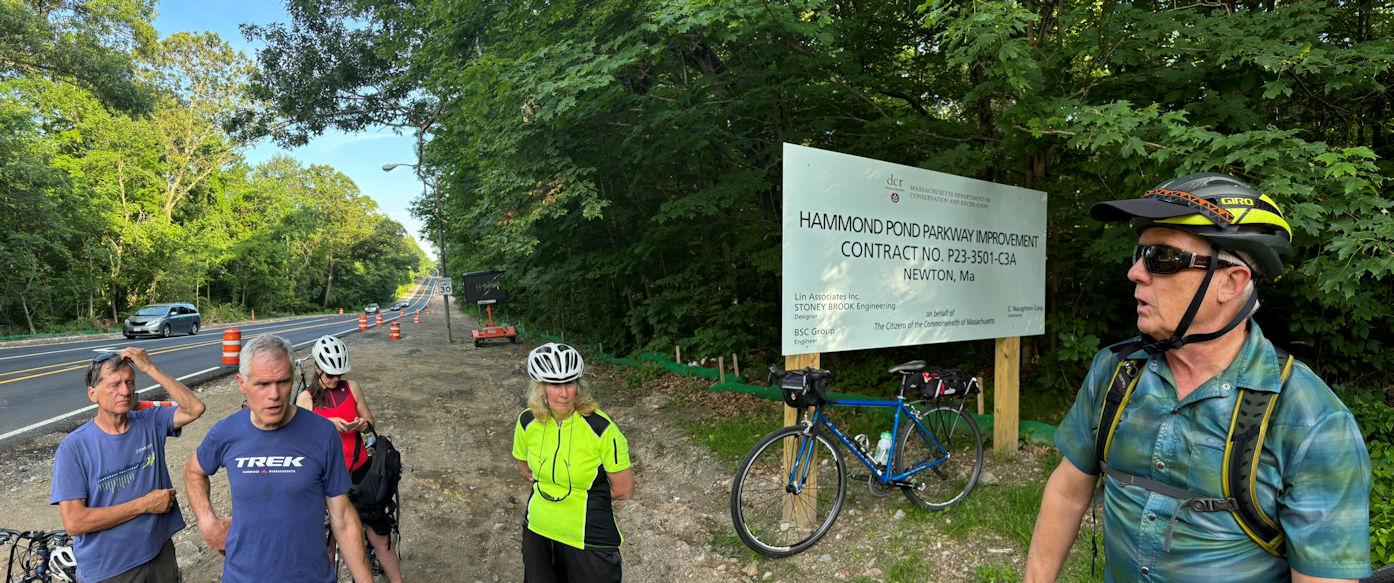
[450, 410]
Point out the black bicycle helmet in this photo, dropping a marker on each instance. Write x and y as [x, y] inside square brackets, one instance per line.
[1217, 207]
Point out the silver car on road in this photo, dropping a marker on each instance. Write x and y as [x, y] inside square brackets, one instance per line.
[163, 320]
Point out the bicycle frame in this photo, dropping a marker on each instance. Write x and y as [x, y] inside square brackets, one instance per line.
[801, 463]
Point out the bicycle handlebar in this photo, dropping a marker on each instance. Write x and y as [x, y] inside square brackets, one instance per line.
[35, 535]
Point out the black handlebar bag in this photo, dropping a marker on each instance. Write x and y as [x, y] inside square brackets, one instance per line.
[803, 388]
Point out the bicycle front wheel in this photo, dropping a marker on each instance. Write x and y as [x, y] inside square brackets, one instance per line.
[952, 444]
[778, 516]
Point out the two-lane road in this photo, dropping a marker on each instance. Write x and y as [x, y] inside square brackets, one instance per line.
[41, 387]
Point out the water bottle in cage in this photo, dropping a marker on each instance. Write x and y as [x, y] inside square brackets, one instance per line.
[883, 448]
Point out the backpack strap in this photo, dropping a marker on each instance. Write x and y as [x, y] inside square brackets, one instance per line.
[1120, 389]
[1248, 427]
[1125, 377]
[1243, 447]
[357, 447]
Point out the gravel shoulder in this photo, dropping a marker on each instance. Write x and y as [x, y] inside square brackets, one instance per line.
[450, 409]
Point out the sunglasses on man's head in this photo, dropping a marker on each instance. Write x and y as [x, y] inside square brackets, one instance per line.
[1165, 259]
[105, 356]
[97, 363]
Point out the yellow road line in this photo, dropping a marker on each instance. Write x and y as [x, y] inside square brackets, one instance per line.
[85, 363]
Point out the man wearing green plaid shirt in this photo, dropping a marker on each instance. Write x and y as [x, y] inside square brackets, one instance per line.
[1204, 239]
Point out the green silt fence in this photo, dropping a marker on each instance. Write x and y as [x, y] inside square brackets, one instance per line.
[1031, 431]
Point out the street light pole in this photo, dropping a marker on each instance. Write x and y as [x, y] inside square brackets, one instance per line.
[440, 227]
[444, 269]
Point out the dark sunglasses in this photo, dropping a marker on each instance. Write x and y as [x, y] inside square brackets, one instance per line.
[94, 370]
[1166, 260]
[105, 356]
[548, 497]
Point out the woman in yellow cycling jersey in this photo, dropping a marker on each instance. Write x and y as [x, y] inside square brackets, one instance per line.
[577, 462]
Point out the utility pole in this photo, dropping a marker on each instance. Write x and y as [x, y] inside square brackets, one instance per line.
[440, 215]
[444, 270]
[440, 223]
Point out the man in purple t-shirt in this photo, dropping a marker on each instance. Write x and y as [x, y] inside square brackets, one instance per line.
[285, 467]
[109, 477]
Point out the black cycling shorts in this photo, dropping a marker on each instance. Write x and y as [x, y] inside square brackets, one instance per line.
[548, 561]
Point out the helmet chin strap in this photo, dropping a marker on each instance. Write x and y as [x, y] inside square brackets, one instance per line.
[1179, 338]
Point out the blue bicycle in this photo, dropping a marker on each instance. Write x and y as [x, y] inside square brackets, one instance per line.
[791, 486]
[39, 556]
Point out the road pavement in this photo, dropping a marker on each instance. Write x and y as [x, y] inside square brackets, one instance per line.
[41, 387]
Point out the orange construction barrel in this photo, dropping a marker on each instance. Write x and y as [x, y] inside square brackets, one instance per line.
[416, 318]
[341, 311]
[232, 345]
[362, 322]
[379, 319]
[395, 332]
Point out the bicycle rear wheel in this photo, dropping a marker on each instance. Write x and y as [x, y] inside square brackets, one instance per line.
[773, 521]
[956, 446]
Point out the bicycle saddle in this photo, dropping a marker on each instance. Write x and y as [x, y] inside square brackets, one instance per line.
[913, 366]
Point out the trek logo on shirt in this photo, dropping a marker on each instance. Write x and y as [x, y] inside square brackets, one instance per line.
[261, 464]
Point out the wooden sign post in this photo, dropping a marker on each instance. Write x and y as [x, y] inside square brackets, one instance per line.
[800, 509]
[1006, 395]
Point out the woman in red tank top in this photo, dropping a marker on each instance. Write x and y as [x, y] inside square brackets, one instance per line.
[341, 401]
[343, 407]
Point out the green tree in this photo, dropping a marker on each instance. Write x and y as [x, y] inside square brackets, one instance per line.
[88, 43]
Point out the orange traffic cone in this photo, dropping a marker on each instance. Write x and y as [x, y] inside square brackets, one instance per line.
[232, 346]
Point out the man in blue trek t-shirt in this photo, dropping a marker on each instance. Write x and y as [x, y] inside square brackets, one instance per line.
[110, 481]
[284, 468]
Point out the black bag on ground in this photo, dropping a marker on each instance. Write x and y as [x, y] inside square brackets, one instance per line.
[803, 388]
[945, 383]
[373, 495]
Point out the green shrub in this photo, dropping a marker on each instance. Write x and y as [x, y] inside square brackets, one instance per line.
[221, 313]
[55, 328]
[1376, 421]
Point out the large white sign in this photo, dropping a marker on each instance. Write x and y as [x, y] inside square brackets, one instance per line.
[879, 254]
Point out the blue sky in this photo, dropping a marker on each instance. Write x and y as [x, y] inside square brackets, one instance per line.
[359, 156]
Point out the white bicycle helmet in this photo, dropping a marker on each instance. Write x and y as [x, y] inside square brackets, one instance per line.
[331, 354]
[555, 363]
[62, 565]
